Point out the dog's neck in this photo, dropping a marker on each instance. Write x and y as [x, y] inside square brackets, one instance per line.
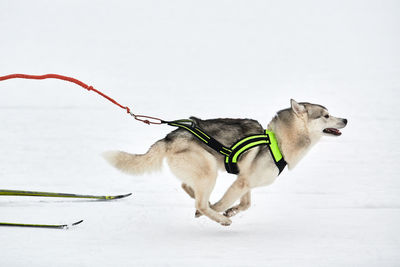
[293, 138]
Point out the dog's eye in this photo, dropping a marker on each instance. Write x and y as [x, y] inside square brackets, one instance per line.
[326, 116]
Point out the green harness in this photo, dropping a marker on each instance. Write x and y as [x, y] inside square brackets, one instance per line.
[233, 153]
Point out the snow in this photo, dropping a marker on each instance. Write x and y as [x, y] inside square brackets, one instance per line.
[174, 59]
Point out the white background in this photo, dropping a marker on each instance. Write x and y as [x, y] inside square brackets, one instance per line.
[174, 59]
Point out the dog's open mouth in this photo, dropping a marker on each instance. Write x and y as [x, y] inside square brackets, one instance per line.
[332, 131]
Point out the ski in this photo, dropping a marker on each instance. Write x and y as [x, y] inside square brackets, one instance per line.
[61, 195]
[51, 226]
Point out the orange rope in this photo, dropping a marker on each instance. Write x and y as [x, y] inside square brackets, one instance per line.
[142, 118]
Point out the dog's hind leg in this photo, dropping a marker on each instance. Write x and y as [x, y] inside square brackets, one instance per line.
[245, 202]
[188, 190]
[198, 171]
[202, 193]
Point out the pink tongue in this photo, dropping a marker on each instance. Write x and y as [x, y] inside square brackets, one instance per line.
[332, 131]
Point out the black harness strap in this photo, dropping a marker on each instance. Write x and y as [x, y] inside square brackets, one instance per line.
[240, 147]
[233, 153]
[189, 126]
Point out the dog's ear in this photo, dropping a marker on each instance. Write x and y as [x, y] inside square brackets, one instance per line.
[296, 107]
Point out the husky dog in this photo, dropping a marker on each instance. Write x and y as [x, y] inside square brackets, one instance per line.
[296, 129]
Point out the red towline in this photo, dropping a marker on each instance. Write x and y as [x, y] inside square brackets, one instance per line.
[142, 118]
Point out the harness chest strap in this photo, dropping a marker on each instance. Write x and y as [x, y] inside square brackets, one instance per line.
[233, 153]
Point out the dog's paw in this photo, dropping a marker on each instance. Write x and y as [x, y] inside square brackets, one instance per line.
[226, 222]
[231, 212]
[197, 214]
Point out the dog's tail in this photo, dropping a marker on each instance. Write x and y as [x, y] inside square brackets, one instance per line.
[138, 164]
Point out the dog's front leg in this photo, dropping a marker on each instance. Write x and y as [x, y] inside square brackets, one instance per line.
[239, 189]
[245, 202]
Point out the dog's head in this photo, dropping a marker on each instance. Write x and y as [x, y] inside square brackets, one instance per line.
[317, 119]
[299, 127]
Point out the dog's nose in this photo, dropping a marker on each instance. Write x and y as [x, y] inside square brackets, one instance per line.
[345, 121]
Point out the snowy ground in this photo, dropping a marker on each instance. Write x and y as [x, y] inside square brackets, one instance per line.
[173, 59]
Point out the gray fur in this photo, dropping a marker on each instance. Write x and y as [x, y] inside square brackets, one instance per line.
[225, 131]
